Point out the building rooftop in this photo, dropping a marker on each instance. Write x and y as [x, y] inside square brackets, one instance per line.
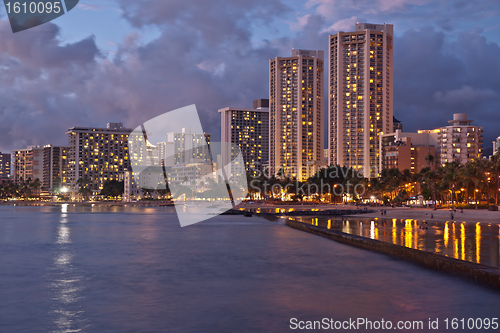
[460, 119]
[111, 127]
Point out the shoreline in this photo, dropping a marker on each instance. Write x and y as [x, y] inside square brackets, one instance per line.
[420, 214]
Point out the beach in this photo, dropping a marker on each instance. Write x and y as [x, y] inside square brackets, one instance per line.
[443, 215]
[428, 214]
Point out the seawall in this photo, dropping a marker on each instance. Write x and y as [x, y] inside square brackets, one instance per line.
[485, 275]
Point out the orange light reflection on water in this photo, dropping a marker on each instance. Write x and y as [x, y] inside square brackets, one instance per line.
[394, 231]
[462, 239]
[478, 242]
[408, 233]
[446, 234]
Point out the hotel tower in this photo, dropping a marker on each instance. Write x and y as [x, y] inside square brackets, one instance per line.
[360, 95]
[296, 114]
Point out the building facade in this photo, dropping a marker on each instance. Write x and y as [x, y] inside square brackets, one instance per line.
[460, 141]
[360, 95]
[403, 150]
[5, 161]
[52, 167]
[184, 147]
[296, 114]
[249, 130]
[403, 155]
[98, 154]
[28, 164]
[496, 145]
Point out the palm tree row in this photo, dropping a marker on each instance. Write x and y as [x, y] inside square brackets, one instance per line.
[22, 189]
[452, 182]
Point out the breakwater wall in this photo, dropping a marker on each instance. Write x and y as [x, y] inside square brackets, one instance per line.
[485, 275]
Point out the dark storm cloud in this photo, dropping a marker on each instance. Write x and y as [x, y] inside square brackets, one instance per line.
[435, 77]
[39, 85]
[204, 55]
[207, 54]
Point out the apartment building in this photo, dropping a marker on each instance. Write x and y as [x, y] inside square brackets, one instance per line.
[248, 128]
[184, 147]
[405, 150]
[99, 154]
[52, 167]
[296, 114]
[460, 141]
[360, 95]
[28, 163]
[5, 163]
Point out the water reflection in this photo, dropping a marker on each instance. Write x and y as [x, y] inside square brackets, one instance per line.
[474, 242]
[66, 282]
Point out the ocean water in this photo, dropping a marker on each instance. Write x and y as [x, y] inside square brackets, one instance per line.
[474, 242]
[136, 270]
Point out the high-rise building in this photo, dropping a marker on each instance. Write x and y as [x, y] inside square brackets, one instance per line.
[5, 166]
[184, 147]
[249, 129]
[52, 167]
[28, 164]
[98, 154]
[296, 114]
[360, 95]
[460, 141]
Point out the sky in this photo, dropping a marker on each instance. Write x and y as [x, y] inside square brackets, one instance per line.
[132, 60]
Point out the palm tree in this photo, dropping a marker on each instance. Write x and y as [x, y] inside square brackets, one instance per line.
[36, 185]
[431, 161]
[495, 163]
[474, 171]
[452, 177]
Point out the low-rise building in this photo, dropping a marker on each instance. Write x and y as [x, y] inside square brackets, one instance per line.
[28, 164]
[407, 150]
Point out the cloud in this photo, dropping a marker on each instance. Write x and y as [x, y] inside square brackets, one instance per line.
[465, 96]
[47, 87]
[435, 77]
[90, 7]
[208, 53]
[343, 25]
[300, 23]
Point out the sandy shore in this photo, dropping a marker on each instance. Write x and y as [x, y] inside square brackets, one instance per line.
[469, 215]
[298, 207]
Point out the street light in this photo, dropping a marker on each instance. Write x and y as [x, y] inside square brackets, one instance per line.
[64, 190]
